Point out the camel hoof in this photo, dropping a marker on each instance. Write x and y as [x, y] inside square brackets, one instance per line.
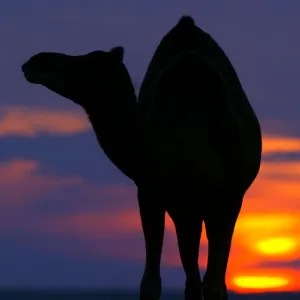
[214, 291]
[193, 292]
[150, 290]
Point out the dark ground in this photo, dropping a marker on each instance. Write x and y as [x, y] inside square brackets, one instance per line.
[118, 295]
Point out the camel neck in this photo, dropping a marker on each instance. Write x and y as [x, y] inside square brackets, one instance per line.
[119, 132]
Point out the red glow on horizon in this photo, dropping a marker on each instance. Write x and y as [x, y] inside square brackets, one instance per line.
[265, 244]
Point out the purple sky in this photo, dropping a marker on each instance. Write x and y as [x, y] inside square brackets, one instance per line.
[50, 172]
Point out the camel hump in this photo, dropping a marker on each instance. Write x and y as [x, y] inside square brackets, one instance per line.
[186, 21]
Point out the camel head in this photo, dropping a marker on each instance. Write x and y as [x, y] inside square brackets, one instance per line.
[84, 79]
[100, 83]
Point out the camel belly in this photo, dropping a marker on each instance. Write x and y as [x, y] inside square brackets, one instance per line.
[182, 155]
[203, 158]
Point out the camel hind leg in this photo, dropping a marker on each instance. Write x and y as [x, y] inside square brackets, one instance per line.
[221, 215]
[186, 215]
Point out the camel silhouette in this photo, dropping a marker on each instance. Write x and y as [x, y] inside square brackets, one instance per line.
[191, 143]
[209, 140]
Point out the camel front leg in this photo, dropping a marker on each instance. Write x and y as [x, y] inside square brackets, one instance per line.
[152, 214]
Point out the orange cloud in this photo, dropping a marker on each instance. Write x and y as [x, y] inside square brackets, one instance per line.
[97, 224]
[33, 121]
[26, 183]
[21, 181]
[280, 144]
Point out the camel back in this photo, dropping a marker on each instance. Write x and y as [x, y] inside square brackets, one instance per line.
[186, 39]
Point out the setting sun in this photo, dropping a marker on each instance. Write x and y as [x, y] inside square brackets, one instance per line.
[267, 222]
[275, 246]
[260, 282]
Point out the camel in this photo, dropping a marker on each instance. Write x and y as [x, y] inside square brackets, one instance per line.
[209, 140]
[191, 143]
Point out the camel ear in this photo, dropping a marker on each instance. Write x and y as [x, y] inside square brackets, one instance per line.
[118, 53]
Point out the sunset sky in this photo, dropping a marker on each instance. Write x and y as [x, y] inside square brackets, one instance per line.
[68, 217]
